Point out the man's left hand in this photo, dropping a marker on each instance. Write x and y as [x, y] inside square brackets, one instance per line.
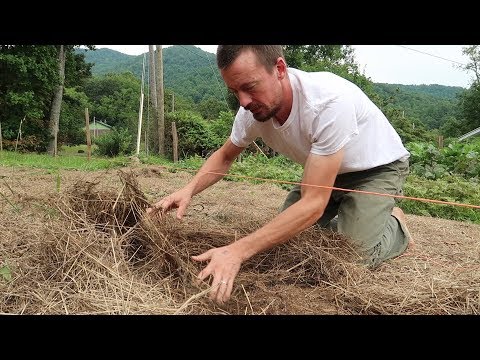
[224, 265]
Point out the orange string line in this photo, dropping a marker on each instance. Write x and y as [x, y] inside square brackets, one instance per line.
[332, 187]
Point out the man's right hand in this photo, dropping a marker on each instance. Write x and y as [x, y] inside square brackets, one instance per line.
[178, 200]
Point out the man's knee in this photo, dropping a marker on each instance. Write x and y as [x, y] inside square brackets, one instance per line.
[392, 243]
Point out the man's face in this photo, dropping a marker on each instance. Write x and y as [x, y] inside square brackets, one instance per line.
[255, 88]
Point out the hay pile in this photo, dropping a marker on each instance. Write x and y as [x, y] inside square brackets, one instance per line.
[91, 250]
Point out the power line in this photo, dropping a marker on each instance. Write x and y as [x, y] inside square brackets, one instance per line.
[439, 57]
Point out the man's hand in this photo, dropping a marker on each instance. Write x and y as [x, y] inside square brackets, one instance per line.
[180, 199]
[224, 265]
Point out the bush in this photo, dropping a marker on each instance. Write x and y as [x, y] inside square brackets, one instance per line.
[27, 144]
[194, 135]
[114, 143]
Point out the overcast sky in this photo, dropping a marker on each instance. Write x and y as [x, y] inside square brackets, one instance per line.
[393, 64]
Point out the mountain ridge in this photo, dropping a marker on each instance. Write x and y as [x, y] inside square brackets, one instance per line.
[192, 73]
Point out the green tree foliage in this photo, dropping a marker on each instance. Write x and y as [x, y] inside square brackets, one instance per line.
[194, 134]
[114, 143]
[77, 71]
[28, 77]
[452, 127]
[105, 61]
[188, 71]
[473, 52]
[29, 74]
[176, 102]
[221, 128]
[470, 108]
[407, 129]
[470, 100]
[338, 59]
[431, 105]
[211, 108]
[197, 136]
[72, 120]
[191, 72]
[115, 99]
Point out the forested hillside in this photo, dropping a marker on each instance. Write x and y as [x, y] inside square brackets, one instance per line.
[192, 73]
[431, 105]
[187, 70]
[435, 90]
[45, 90]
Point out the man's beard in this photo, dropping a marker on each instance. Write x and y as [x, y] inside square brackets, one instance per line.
[262, 117]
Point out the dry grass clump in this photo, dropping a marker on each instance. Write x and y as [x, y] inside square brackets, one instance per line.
[92, 250]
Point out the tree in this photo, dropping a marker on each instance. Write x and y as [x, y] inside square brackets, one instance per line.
[470, 108]
[210, 108]
[470, 99]
[72, 119]
[338, 59]
[30, 77]
[114, 99]
[56, 104]
[473, 52]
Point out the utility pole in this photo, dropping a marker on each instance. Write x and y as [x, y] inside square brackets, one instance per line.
[153, 88]
[160, 101]
[140, 111]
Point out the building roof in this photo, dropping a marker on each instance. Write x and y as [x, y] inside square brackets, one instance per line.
[99, 125]
[471, 133]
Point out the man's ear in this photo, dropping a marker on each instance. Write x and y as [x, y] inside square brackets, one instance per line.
[281, 67]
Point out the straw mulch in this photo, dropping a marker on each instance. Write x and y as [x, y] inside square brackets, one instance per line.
[91, 250]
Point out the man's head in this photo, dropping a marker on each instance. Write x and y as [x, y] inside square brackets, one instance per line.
[267, 55]
[255, 74]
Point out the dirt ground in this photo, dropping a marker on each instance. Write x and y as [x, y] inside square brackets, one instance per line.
[440, 276]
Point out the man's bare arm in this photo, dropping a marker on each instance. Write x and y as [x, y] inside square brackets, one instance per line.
[320, 171]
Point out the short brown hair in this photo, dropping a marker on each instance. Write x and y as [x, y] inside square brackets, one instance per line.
[267, 55]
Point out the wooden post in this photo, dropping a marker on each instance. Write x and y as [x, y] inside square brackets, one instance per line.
[1, 139]
[440, 142]
[175, 142]
[160, 101]
[87, 130]
[152, 93]
[140, 111]
[19, 136]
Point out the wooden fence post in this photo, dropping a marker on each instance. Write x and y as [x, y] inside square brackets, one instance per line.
[87, 130]
[440, 142]
[174, 142]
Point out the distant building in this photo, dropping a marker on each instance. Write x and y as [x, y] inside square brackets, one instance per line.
[98, 128]
[471, 133]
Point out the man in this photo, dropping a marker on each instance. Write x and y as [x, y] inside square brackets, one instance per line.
[328, 125]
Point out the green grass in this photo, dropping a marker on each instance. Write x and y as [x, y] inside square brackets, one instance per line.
[453, 188]
[78, 150]
[70, 159]
[67, 162]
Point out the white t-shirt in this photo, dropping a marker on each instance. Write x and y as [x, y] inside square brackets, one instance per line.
[328, 113]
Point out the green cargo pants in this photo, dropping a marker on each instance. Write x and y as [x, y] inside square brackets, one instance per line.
[366, 219]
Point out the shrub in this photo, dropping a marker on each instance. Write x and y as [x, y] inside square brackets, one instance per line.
[114, 143]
